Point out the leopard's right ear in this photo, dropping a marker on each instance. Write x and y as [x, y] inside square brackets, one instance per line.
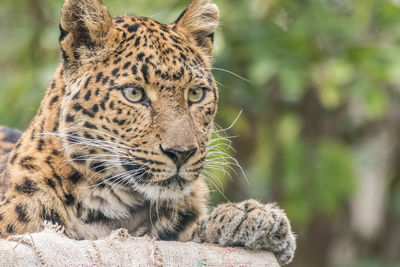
[85, 26]
[199, 21]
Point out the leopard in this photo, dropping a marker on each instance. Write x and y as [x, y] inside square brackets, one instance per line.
[120, 138]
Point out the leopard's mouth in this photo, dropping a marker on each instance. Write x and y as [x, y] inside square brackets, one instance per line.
[174, 180]
[140, 173]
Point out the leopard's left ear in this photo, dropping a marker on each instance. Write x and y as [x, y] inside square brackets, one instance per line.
[85, 26]
[200, 21]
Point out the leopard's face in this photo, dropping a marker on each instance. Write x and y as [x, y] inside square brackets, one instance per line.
[140, 112]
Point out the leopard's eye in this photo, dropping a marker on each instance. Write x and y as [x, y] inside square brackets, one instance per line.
[134, 94]
[196, 95]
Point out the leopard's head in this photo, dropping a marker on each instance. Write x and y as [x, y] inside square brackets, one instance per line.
[140, 96]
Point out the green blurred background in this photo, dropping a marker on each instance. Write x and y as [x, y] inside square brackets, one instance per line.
[319, 131]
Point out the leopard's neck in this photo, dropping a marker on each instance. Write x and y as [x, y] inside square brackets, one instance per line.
[38, 156]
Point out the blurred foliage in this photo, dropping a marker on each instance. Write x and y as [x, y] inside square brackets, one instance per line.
[315, 73]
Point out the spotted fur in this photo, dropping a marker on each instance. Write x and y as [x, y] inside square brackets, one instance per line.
[93, 161]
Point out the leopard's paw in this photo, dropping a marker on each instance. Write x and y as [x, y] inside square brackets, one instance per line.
[253, 225]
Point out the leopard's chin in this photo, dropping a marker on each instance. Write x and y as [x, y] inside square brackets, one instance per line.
[172, 189]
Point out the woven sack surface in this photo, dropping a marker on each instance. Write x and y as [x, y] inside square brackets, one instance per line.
[52, 248]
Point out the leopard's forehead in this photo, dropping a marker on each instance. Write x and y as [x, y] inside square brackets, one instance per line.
[162, 46]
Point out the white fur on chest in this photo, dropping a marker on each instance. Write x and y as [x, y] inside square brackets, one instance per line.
[113, 201]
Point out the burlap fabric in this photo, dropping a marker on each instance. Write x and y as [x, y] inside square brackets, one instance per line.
[52, 248]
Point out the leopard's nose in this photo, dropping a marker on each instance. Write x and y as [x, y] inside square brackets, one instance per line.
[178, 155]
